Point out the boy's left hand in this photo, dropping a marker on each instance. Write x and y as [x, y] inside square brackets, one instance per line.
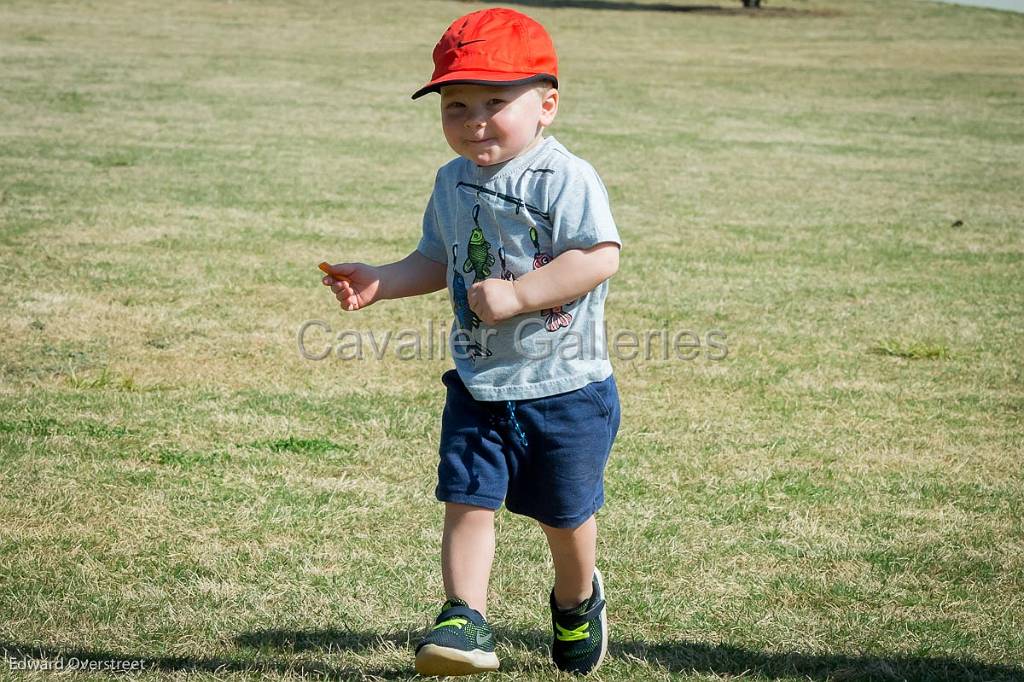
[494, 300]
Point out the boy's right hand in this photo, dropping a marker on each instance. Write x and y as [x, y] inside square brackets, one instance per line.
[355, 285]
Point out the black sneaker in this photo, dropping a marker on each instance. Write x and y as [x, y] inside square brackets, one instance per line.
[460, 643]
[580, 635]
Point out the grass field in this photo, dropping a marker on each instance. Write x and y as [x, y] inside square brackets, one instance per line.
[835, 186]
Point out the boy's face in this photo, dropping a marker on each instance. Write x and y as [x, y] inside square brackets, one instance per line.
[488, 124]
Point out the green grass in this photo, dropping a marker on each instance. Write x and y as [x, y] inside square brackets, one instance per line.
[914, 350]
[840, 498]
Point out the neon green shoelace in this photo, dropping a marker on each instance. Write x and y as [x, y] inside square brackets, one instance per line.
[457, 622]
[573, 635]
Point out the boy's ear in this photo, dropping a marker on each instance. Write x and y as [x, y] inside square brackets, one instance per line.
[549, 106]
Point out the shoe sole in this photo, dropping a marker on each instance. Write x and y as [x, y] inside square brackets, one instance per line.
[432, 659]
[604, 621]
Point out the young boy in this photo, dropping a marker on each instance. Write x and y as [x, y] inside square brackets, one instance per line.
[520, 232]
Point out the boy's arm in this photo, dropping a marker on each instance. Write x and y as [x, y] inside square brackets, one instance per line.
[412, 276]
[571, 275]
[357, 285]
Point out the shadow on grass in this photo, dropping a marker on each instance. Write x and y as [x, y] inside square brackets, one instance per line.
[675, 656]
[735, 9]
[326, 640]
[680, 656]
[724, 659]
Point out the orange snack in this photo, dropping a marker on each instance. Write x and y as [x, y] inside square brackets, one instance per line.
[326, 267]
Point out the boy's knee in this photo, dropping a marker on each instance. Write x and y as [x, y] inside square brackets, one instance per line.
[457, 508]
[566, 530]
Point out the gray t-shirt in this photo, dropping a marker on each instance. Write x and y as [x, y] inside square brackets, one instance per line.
[504, 221]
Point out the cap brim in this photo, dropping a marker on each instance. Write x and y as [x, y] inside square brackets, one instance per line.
[482, 78]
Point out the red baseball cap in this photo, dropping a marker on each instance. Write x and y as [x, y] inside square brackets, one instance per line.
[494, 46]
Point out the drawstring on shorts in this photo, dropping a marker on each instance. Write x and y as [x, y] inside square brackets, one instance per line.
[515, 422]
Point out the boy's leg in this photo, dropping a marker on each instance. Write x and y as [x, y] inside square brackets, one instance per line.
[573, 551]
[461, 641]
[467, 552]
[578, 619]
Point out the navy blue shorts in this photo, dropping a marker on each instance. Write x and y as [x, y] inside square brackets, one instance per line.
[544, 457]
